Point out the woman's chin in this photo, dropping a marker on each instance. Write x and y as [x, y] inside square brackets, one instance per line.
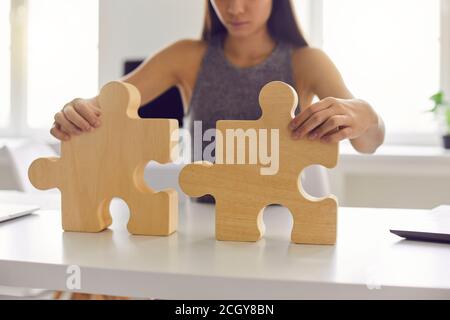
[239, 33]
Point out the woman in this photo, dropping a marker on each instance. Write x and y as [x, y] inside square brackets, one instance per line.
[246, 44]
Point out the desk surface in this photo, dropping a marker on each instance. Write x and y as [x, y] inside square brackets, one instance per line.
[367, 261]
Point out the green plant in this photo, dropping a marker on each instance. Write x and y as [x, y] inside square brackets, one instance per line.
[440, 104]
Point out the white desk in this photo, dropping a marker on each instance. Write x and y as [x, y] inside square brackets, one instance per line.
[367, 262]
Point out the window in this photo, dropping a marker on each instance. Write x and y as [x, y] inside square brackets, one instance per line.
[5, 63]
[55, 59]
[389, 53]
[62, 56]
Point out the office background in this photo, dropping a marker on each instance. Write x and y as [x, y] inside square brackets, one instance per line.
[396, 55]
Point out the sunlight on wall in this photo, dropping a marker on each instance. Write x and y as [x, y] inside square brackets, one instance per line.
[389, 54]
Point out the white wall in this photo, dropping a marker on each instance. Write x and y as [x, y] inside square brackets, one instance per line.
[131, 29]
[395, 177]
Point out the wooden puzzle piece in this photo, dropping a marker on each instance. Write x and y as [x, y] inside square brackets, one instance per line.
[241, 190]
[109, 163]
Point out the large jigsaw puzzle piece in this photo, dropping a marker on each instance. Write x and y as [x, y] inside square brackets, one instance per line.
[109, 163]
[242, 191]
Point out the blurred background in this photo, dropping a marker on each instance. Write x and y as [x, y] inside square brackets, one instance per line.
[394, 54]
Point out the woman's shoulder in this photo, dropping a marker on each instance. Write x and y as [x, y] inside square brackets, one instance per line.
[185, 56]
[310, 64]
[309, 58]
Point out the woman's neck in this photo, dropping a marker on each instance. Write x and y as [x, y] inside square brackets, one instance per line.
[248, 51]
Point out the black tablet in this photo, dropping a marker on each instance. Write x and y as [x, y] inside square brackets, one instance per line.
[423, 236]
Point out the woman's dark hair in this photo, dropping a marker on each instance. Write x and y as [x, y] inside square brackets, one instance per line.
[282, 24]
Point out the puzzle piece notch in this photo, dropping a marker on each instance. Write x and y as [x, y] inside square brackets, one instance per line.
[242, 193]
[120, 98]
[277, 95]
[110, 162]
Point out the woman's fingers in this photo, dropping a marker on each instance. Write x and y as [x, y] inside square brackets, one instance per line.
[309, 112]
[58, 133]
[72, 115]
[342, 134]
[312, 123]
[330, 126]
[75, 118]
[89, 112]
[66, 125]
[97, 110]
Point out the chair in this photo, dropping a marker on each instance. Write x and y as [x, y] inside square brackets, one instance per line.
[168, 105]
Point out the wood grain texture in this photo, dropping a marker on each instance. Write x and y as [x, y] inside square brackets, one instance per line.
[109, 163]
[242, 193]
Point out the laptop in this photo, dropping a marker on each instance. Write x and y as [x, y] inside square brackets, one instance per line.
[10, 211]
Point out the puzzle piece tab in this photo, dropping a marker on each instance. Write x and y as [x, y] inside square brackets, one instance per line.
[109, 163]
[242, 191]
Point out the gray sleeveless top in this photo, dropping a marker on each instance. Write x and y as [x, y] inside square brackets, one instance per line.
[226, 92]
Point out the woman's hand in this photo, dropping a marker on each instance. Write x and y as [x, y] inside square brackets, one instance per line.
[76, 118]
[332, 120]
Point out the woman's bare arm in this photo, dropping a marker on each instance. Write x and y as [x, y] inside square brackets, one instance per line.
[177, 65]
[338, 108]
